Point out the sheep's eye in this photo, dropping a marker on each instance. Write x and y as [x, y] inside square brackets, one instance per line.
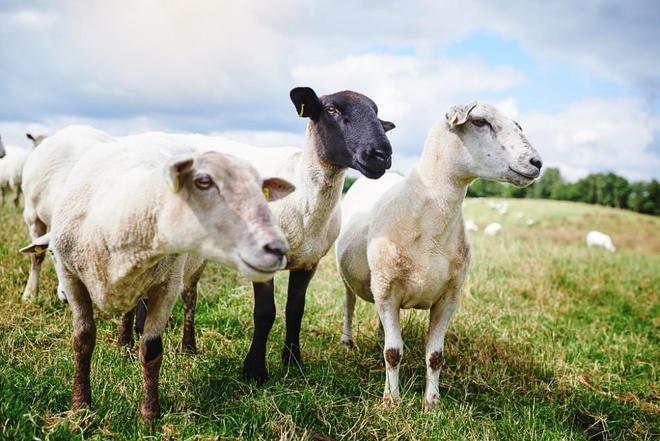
[332, 110]
[203, 182]
[480, 122]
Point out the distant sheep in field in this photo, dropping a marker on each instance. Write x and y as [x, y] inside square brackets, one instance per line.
[11, 168]
[598, 239]
[530, 222]
[492, 229]
[470, 225]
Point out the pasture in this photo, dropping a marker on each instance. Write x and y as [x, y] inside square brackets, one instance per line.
[552, 340]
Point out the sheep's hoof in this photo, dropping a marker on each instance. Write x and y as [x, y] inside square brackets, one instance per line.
[291, 356]
[81, 400]
[150, 412]
[254, 371]
[188, 348]
[347, 343]
[390, 401]
[428, 406]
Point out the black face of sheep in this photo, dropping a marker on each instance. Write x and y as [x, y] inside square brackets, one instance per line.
[348, 130]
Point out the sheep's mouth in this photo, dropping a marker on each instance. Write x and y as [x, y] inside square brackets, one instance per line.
[370, 172]
[260, 270]
[525, 175]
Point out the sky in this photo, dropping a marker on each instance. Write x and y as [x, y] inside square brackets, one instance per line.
[583, 79]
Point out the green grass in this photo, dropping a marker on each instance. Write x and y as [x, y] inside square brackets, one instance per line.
[550, 338]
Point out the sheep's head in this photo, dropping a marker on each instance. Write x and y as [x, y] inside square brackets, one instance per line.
[36, 140]
[218, 209]
[2, 149]
[349, 133]
[494, 146]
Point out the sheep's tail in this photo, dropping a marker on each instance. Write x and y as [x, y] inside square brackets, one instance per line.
[39, 246]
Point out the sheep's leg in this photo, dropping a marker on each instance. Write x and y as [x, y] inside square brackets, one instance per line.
[17, 196]
[349, 309]
[388, 312]
[140, 316]
[84, 340]
[295, 307]
[37, 228]
[189, 295]
[254, 366]
[125, 337]
[441, 313]
[188, 343]
[161, 302]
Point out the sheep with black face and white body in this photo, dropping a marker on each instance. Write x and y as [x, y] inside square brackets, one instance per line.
[129, 217]
[403, 242]
[343, 132]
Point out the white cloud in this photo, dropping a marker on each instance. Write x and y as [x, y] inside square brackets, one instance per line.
[597, 135]
[128, 66]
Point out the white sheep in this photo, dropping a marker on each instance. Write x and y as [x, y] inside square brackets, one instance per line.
[343, 132]
[124, 224]
[470, 225]
[403, 242]
[11, 168]
[493, 229]
[530, 222]
[599, 239]
[44, 173]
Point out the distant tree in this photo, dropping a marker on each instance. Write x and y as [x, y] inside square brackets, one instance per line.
[597, 188]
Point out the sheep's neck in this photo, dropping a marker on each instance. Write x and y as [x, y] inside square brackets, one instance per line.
[321, 182]
[439, 185]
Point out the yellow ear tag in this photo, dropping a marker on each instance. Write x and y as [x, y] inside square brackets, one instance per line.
[302, 110]
[176, 182]
[37, 249]
[266, 192]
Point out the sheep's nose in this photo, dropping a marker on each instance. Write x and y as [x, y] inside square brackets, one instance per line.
[536, 162]
[276, 247]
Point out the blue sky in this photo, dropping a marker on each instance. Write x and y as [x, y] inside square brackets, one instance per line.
[584, 82]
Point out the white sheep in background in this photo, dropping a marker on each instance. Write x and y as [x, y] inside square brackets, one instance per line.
[530, 222]
[403, 242]
[599, 239]
[470, 225]
[11, 168]
[123, 225]
[492, 229]
[44, 173]
[519, 215]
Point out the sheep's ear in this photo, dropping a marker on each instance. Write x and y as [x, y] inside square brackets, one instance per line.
[175, 172]
[276, 188]
[308, 105]
[387, 126]
[458, 115]
[39, 246]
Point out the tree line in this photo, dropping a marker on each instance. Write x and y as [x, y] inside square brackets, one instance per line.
[607, 189]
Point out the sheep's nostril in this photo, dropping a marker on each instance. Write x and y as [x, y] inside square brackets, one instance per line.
[277, 248]
[536, 162]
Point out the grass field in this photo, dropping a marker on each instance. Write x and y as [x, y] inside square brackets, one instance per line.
[552, 341]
